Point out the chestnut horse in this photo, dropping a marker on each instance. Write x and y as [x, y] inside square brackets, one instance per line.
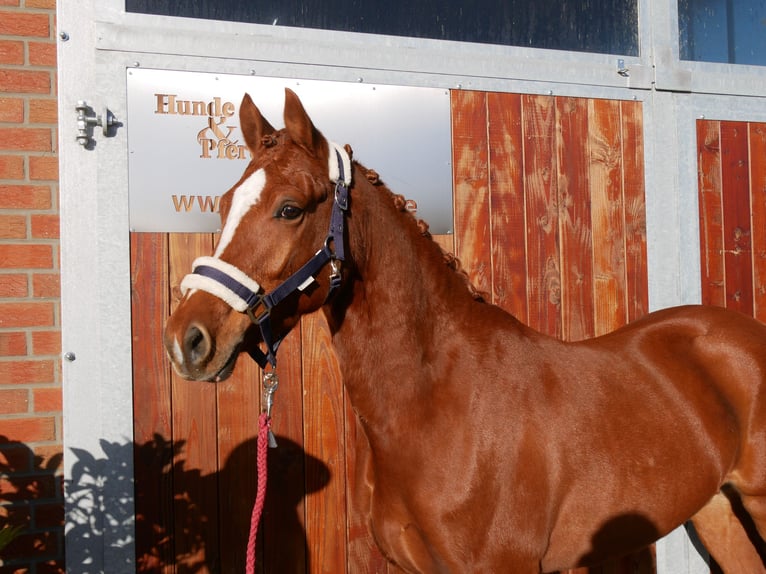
[490, 447]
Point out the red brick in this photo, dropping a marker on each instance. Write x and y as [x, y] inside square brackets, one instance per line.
[14, 401]
[46, 285]
[47, 400]
[24, 24]
[43, 544]
[26, 314]
[33, 429]
[24, 373]
[26, 255]
[46, 343]
[11, 110]
[48, 515]
[45, 226]
[9, 2]
[11, 166]
[49, 457]
[43, 111]
[13, 344]
[15, 456]
[42, 54]
[13, 285]
[11, 52]
[25, 81]
[25, 196]
[13, 227]
[49, 4]
[44, 167]
[25, 139]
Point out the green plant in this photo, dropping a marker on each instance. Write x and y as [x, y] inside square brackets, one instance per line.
[7, 534]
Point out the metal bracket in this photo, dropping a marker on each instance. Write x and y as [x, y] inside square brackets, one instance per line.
[87, 118]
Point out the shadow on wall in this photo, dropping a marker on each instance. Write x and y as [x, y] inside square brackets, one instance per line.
[31, 506]
[205, 527]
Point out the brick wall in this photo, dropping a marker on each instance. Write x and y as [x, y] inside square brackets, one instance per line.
[30, 349]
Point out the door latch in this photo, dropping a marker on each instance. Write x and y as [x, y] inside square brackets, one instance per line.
[87, 119]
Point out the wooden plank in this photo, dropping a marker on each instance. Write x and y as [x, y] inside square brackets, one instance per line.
[471, 186]
[542, 241]
[446, 242]
[237, 404]
[757, 138]
[735, 176]
[152, 429]
[607, 209]
[506, 191]
[195, 477]
[325, 450]
[710, 191]
[363, 554]
[285, 514]
[636, 271]
[574, 219]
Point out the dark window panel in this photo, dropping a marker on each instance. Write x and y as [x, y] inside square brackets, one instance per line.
[600, 26]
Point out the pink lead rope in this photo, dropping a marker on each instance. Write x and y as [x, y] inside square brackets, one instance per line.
[264, 424]
[265, 440]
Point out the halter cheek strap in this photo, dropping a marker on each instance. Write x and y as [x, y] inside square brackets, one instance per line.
[243, 294]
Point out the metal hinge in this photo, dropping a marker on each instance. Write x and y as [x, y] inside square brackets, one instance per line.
[87, 118]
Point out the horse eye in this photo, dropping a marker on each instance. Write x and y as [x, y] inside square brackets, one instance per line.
[290, 212]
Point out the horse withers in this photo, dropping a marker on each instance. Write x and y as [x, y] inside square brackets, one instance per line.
[557, 455]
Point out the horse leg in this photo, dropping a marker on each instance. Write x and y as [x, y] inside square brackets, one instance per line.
[726, 539]
[755, 506]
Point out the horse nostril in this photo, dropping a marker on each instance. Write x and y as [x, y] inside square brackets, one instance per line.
[197, 345]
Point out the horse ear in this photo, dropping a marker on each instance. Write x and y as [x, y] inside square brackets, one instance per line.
[253, 125]
[299, 125]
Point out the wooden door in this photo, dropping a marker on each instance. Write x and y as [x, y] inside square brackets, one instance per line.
[549, 221]
[732, 198]
[550, 217]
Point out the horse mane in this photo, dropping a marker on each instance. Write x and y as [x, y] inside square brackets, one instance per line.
[409, 208]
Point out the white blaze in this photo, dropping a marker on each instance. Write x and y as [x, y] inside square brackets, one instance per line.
[245, 196]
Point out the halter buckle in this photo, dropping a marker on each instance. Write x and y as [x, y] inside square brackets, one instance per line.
[335, 275]
[255, 318]
[341, 195]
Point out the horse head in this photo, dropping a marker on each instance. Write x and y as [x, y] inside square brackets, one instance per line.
[268, 267]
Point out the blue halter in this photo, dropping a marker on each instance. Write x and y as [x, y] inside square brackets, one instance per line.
[259, 305]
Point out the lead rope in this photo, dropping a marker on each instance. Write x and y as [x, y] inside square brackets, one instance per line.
[265, 440]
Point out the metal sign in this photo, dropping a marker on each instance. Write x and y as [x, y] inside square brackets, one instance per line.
[186, 150]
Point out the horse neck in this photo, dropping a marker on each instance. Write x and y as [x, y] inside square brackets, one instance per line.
[389, 328]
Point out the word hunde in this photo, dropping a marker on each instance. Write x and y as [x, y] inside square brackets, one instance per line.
[215, 138]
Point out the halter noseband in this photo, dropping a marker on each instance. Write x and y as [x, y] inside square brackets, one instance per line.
[243, 294]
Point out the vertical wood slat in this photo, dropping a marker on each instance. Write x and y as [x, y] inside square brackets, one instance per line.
[325, 440]
[194, 427]
[634, 207]
[283, 541]
[711, 212]
[235, 473]
[151, 394]
[542, 218]
[757, 137]
[607, 220]
[574, 219]
[735, 178]
[471, 186]
[506, 191]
